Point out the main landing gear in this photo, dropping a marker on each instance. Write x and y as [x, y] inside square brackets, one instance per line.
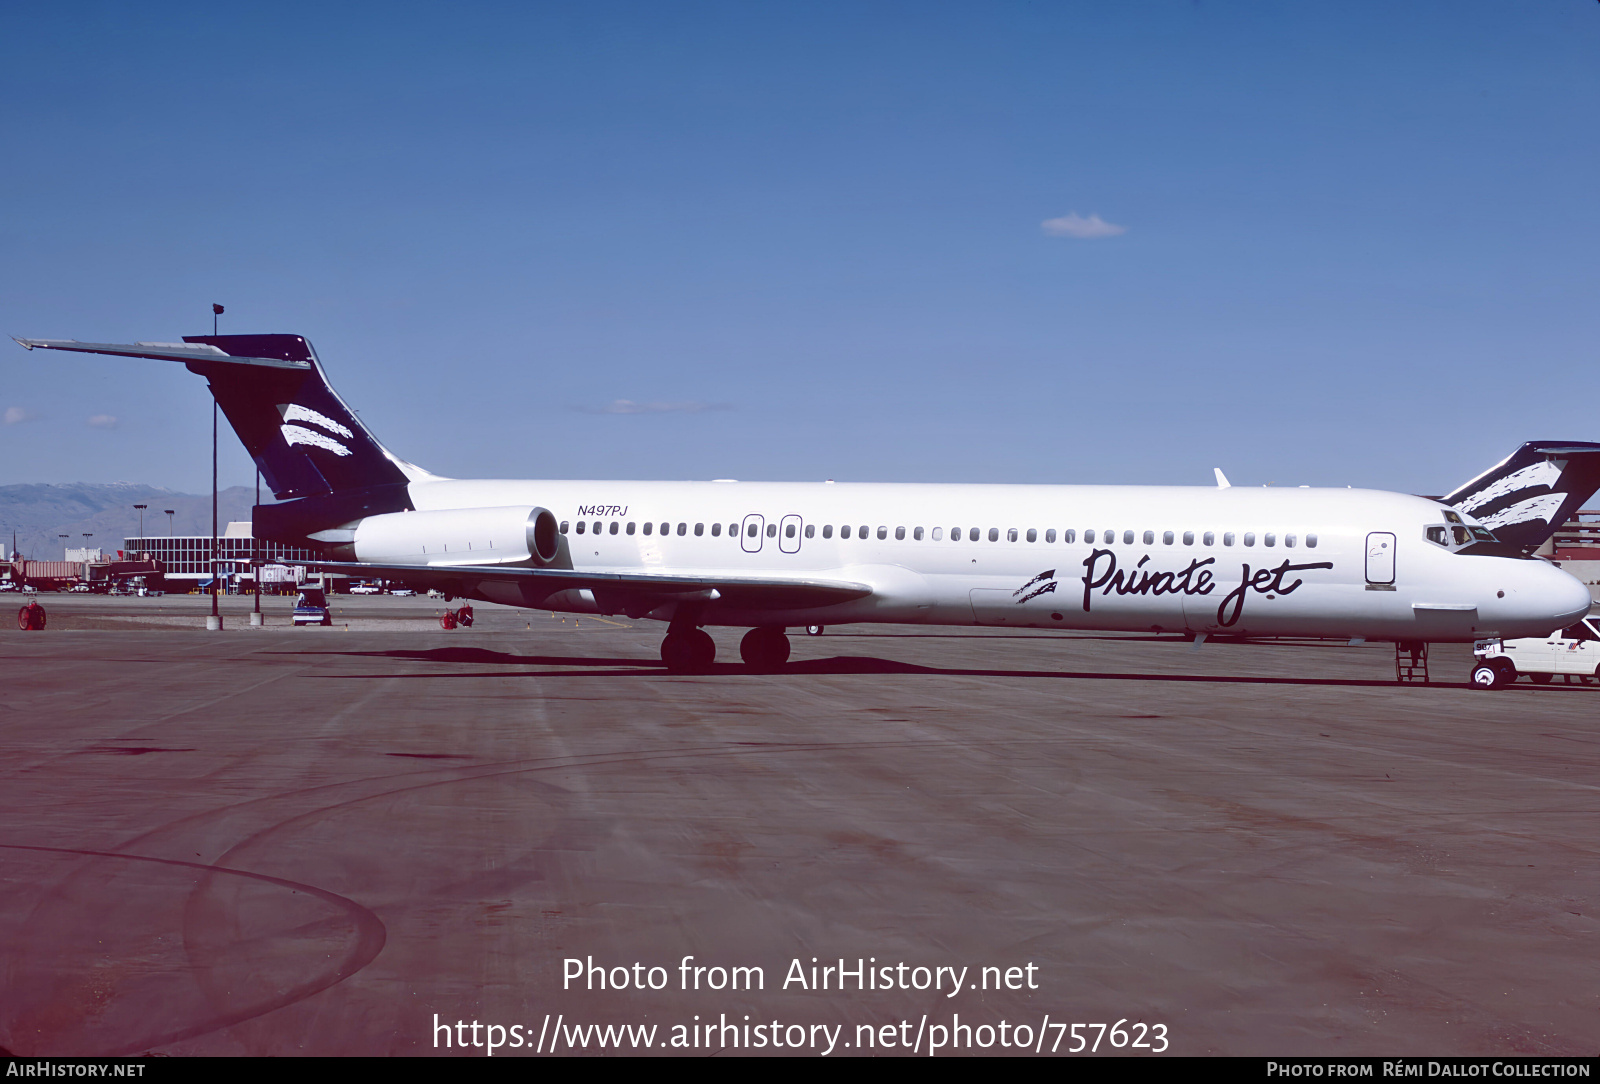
[765, 650]
[692, 651]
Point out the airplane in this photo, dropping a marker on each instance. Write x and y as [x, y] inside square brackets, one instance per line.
[1202, 561]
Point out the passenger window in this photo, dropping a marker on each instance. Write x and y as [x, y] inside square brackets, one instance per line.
[788, 530]
[580, 526]
[994, 534]
[916, 535]
[900, 534]
[1033, 535]
[1166, 538]
[827, 531]
[733, 530]
[1209, 538]
[1249, 538]
[862, 533]
[1188, 538]
[844, 532]
[563, 526]
[1011, 534]
[1088, 536]
[1311, 541]
[1149, 538]
[614, 525]
[1127, 538]
[630, 528]
[1227, 538]
[1270, 539]
[699, 529]
[1072, 536]
[938, 534]
[683, 529]
[648, 527]
[716, 530]
[751, 531]
[811, 530]
[772, 530]
[666, 529]
[1050, 535]
[883, 532]
[1288, 540]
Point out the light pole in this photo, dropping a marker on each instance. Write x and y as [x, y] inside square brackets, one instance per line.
[141, 508]
[169, 512]
[214, 622]
[255, 555]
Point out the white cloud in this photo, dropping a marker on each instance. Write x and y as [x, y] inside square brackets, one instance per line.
[17, 415]
[1085, 229]
[628, 406]
[104, 421]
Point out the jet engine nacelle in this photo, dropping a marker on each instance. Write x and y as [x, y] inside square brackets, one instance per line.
[456, 536]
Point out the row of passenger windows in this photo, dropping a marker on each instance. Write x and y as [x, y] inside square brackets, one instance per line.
[971, 534]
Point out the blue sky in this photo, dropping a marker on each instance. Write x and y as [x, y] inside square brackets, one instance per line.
[807, 241]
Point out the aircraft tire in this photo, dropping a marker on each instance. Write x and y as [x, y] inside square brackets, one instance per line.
[705, 650]
[688, 652]
[1488, 676]
[765, 650]
[1540, 679]
[815, 630]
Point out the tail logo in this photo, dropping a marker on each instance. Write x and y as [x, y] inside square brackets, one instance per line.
[300, 434]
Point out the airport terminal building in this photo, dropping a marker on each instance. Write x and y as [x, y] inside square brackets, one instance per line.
[188, 557]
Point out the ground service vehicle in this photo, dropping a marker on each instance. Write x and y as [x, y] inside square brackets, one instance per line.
[1572, 652]
[311, 607]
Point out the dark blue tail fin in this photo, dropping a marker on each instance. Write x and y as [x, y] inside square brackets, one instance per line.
[295, 426]
[1536, 489]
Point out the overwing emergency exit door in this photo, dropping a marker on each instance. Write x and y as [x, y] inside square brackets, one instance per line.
[751, 533]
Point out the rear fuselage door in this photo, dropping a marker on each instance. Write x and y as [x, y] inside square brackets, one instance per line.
[750, 534]
[789, 534]
[1380, 557]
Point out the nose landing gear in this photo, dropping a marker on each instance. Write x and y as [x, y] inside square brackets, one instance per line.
[765, 650]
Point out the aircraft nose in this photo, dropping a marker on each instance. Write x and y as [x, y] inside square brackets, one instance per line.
[1566, 598]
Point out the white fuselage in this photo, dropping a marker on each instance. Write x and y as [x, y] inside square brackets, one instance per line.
[1237, 561]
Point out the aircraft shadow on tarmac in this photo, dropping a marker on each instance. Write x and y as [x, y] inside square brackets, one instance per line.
[574, 666]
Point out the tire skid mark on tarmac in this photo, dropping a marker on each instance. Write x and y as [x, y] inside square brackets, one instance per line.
[369, 942]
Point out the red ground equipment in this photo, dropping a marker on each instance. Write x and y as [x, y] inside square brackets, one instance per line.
[30, 617]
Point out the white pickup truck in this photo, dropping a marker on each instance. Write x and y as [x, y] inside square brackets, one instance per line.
[1573, 651]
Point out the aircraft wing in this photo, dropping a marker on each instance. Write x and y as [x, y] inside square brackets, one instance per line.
[738, 591]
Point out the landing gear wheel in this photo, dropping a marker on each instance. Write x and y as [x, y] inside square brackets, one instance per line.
[815, 630]
[689, 652]
[1488, 676]
[1540, 679]
[765, 650]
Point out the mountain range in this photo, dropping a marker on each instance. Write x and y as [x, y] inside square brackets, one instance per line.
[40, 514]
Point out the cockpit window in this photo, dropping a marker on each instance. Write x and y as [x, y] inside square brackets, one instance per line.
[1451, 517]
